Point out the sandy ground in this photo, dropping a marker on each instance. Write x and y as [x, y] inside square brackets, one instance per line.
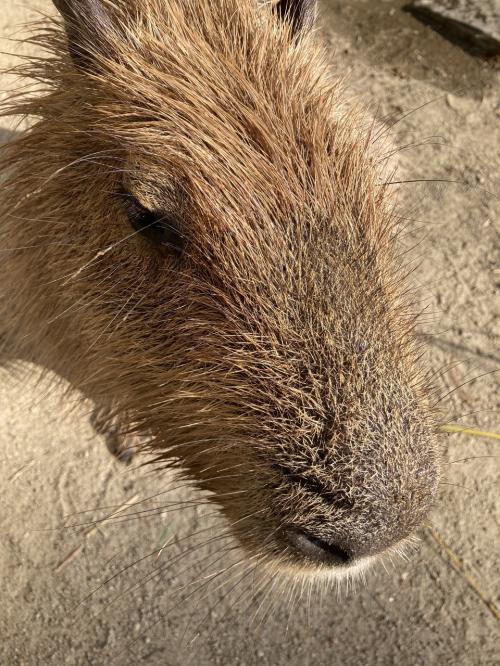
[440, 607]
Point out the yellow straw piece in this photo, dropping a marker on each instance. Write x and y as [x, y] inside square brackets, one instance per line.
[470, 431]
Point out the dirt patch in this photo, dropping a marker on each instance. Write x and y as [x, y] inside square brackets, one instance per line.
[382, 34]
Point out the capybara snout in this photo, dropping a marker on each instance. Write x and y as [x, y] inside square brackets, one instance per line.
[213, 260]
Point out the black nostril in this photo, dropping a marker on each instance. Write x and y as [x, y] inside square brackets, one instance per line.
[319, 550]
[332, 549]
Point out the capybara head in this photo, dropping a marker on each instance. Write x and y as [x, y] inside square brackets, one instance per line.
[202, 239]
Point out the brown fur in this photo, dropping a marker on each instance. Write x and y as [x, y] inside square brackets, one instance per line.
[274, 360]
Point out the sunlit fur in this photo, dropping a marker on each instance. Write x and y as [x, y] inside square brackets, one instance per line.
[274, 362]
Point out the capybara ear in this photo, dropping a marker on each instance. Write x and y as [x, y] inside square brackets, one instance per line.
[299, 13]
[89, 29]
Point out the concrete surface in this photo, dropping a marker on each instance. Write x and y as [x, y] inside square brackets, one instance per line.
[438, 608]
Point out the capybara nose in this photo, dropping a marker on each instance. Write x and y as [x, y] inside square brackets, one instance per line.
[319, 551]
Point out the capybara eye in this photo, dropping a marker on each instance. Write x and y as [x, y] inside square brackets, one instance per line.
[159, 228]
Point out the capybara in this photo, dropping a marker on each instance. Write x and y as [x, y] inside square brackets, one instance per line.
[198, 234]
